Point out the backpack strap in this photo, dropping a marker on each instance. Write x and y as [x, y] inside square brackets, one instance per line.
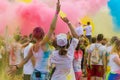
[97, 47]
[100, 55]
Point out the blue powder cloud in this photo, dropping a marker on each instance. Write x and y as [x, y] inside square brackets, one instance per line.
[114, 6]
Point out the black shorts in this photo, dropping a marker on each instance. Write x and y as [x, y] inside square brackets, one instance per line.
[89, 37]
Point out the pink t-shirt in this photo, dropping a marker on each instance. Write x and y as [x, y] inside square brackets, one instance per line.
[77, 61]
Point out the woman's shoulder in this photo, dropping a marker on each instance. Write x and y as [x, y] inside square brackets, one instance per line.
[36, 48]
[114, 55]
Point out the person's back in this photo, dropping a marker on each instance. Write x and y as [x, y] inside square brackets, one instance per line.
[39, 50]
[77, 60]
[96, 59]
[102, 50]
[88, 30]
[114, 62]
[79, 31]
[63, 63]
[41, 58]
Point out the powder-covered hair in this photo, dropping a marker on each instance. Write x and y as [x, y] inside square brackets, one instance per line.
[38, 33]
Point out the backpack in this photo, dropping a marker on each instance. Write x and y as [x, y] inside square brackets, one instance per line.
[95, 55]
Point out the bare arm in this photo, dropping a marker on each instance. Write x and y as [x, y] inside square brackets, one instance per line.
[73, 30]
[117, 60]
[65, 19]
[25, 60]
[53, 25]
[33, 61]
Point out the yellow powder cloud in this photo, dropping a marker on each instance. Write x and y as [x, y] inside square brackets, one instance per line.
[103, 23]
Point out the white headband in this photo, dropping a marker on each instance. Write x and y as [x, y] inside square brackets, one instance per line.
[61, 39]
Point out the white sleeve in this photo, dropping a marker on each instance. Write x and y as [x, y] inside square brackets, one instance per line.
[72, 47]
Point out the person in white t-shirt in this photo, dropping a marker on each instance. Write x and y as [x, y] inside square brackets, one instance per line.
[15, 56]
[97, 69]
[63, 58]
[29, 66]
[79, 30]
[114, 62]
[109, 49]
[88, 30]
[40, 50]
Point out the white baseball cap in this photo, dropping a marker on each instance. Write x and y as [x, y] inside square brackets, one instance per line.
[61, 39]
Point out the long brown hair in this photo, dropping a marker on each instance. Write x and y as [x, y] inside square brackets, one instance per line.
[116, 47]
[62, 51]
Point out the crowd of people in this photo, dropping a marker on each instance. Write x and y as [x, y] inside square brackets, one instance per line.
[66, 56]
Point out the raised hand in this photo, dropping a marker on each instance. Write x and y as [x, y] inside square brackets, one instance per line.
[58, 7]
[66, 20]
[12, 70]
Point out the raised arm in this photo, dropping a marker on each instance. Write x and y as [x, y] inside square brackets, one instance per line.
[72, 47]
[52, 26]
[65, 19]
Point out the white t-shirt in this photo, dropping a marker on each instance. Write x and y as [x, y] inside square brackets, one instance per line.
[63, 64]
[88, 30]
[101, 48]
[114, 67]
[79, 30]
[28, 67]
[17, 54]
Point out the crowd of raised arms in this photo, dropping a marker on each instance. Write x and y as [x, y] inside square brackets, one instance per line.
[65, 56]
